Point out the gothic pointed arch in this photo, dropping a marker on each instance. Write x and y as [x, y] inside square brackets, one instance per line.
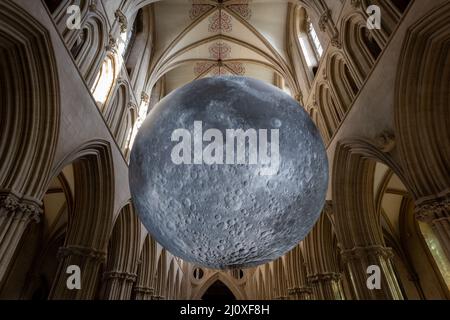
[360, 46]
[91, 224]
[239, 294]
[321, 256]
[123, 254]
[144, 287]
[421, 105]
[360, 235]
[342, 81]
[29, 123]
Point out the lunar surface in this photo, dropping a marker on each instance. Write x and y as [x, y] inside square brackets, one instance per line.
[214, 212]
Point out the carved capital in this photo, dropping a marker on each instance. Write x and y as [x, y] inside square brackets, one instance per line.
[121, 275]
[299, 291]
[89, 253]
[299, 97]
[112, 45]
[359, 253]
[122, 20]
[323, 20]
[324, 277]
[335, 42]
[132, 105]
[145, 97]
[431, 210]
[144, 290]
[20, 208]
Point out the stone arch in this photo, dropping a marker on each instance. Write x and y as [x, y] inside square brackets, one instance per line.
[328, 108]
[280, 280]
[392, 11]
[123, 254]
[321, 256]
[422, 104]
[160, 277]
[318, 120]
[342, 81]
[36, 262]
[92, 51]
[268, 281]
[298, 288]
[138, 60]
[237, 292]
[144, 287]
[170, 281]
[126, 128]
[421, 114]
[361, 48]
[91, 223]
[116, 108]
[357, 223]
[30, 118]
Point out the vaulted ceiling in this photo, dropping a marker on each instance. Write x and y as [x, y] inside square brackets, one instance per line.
[201, 38]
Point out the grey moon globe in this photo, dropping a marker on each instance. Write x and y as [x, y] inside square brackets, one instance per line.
[228, 172]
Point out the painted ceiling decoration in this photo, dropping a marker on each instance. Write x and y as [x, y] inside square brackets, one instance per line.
[218, 37]
[220, 22]
[242, 8]
[220, 51]
[219, 68]
[203, 67]
[219, 71]
[237, 68]
[198, 9]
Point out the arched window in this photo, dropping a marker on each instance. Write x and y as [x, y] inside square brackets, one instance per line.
[309, 41]
[315, 40]
[104, 81]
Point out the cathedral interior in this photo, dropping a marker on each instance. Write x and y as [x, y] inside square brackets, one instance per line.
[78, 78]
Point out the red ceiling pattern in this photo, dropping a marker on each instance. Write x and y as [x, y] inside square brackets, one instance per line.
[220, 51]
[242, 8]
[220, 21]
[198, 9]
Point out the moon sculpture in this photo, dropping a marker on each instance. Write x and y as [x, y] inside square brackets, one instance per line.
[228, 172]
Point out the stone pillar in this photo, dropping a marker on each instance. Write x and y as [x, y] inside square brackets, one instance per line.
[300, 293]
[143, 293]
[89, 260]
[118, 285]
[15, 215]
[436, 212]
[327, 286]
[358, 259]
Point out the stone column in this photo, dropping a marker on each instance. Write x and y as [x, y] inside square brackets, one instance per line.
[436, 212]
[300, 293]
[327, 286]
[118, 285]
[358, 259]
[15, 215]
[89, 260]
[143, 293]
